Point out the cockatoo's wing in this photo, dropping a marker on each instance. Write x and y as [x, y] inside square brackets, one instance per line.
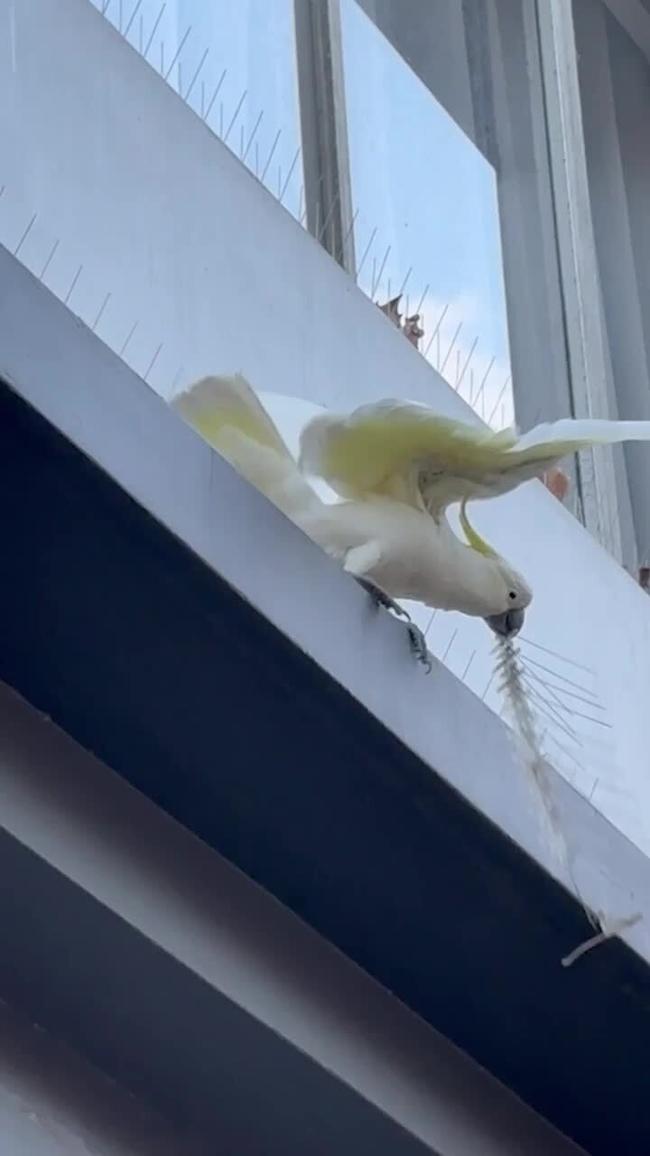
[227, 413]
[215, 404]
[404, 451]
[412, 454]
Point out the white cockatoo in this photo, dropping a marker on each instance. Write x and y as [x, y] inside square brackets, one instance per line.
[396, 468]
[392, 550]
[408, 457]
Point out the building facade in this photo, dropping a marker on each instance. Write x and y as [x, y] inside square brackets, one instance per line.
[344, 200]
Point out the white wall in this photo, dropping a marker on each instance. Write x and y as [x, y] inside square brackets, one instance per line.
[157, 213]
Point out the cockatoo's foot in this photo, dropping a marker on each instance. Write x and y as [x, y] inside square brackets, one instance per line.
[419, 645]
[417, 640]
[382, 599]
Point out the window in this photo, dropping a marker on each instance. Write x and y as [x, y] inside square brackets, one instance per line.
[426, 217]
[235, 66]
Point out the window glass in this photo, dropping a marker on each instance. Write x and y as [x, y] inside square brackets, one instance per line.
[427, 220]
[234, 64]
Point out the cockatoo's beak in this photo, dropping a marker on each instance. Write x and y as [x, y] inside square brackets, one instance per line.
[508, 624]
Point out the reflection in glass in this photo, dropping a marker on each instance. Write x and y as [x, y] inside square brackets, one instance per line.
[234, 64]
[427, 224]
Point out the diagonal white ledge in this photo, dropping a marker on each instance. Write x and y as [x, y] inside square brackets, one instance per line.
[67, 375]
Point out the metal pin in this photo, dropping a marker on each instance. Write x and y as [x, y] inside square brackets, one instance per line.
[196, 75]
[556, 654]
[453, 342]
[179, 82]
[105, 6]
[438, 324]
[573, 711]
[474, 401]
[154, 30]
[178, 51]
[467, 361]
[101, 311]
[366, 252]
[49, 259]
[252, 135]
[140, 34]
[202, 99]
[74, 282]
[381, 270]
[270, 156]
[162, 57]
[130, 335]
[349, 230]
[257, 160]
[290, 173]
[498, 400]
[235, 114]
[405, 283]
[466, 670]
[565, 750]
[215, 94]
[301, 199]
[328, 218]
[450, 644]
[546, 708]
[133, 16]
[153, 361]
[430, 622]
[490, 681]
[418, 309]
[590, 701]
[24, 236]
[279, 179]
[527, 675]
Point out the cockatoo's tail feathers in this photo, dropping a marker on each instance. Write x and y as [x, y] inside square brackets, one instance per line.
[215, 405]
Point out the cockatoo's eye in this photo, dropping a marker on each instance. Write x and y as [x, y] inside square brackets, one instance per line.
[512, 595]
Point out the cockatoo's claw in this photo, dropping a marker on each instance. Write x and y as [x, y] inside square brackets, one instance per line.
[382, 599]
[416, 638]
[419, 646]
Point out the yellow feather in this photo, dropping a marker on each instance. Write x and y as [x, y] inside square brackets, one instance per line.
[473, 537]
[216, 405]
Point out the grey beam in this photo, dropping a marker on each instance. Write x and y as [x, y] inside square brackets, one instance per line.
[54, 1103]
[136, 917]
[634, 17]
[584, 323]
[326, 161]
